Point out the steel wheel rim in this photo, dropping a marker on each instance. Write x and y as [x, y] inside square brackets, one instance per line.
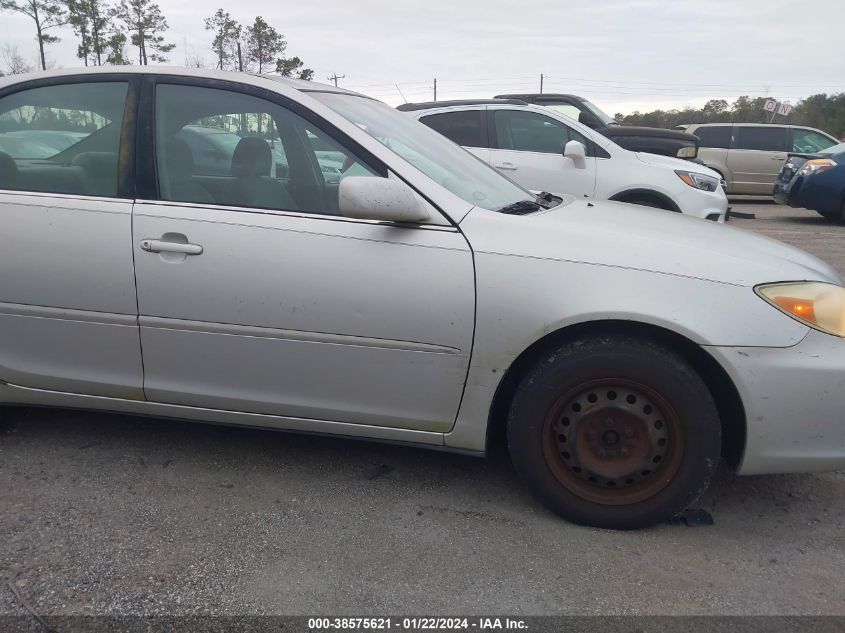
[613, 441]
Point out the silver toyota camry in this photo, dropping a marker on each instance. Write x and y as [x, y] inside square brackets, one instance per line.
[187, 256]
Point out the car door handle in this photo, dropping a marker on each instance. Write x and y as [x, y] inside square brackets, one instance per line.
[162, 246]
[505, 166]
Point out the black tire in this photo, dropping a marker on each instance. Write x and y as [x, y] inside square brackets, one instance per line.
[649, 407]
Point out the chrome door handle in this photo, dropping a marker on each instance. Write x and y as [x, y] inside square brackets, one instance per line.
[506, 166]
[161, 246]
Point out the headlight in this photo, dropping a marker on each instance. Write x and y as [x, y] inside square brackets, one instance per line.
[819, 305]
[698, 181]
[816, 166]
[687, 152]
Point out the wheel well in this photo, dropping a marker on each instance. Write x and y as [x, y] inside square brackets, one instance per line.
[649, 195]
[728, 402]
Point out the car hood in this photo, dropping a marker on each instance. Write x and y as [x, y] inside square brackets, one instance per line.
[629, 236]
[675, 163]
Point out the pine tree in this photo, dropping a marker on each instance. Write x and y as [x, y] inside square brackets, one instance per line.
[145, 23]
[47, 14]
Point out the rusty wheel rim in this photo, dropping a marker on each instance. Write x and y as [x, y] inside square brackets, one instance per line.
[613, 441]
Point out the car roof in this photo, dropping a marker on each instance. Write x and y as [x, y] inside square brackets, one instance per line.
[539, 95]
[203, 73]
[431, 105]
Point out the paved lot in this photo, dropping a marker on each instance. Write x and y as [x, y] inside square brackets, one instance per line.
[110, 514]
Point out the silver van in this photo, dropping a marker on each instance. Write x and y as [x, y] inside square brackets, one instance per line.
[749, 155]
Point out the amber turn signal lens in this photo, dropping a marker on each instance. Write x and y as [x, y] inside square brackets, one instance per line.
[816, 304]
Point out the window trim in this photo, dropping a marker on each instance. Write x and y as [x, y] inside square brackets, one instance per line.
[127, 158]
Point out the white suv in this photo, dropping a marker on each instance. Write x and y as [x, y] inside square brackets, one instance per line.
[547, 151]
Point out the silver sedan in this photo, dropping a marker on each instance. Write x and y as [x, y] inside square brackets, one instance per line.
[419, 297]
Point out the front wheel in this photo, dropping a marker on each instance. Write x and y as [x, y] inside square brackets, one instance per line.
[614, 433]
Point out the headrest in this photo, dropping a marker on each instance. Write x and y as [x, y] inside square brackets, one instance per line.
[180, 160]
[97, 162]
[8, 171]
[252, 158]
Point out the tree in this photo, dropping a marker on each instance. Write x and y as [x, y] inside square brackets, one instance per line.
[293, 67]
[227, 34]
[116, 50]
[91, 21]
[263, 44]
[14, 62]
[47, 14]
[145, 24]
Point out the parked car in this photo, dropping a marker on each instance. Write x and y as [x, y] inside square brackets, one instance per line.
[428, 301]
[544, 150]
[814, 181]
[636, 138]
[749, 156]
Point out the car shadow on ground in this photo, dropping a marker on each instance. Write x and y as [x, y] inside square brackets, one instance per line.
[142, 454]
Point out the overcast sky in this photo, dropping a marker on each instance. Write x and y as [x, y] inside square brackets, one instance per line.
[624, 55]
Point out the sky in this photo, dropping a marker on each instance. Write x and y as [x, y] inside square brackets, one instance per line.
[624, 55]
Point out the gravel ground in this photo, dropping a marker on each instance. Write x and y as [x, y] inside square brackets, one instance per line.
[106, 514]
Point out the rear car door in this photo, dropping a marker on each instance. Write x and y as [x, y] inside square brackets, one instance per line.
[255, 295]
[467, 128]
[713, 151]
[528, 148]
[68, 314]
[756, 157]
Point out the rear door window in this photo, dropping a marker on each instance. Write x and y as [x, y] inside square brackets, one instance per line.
[770, 139]
[63, 138]
[718, 136]
[464, 128]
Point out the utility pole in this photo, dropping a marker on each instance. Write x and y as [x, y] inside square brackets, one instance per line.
[400, 93]
[541, 83]
[435, 88]
[335, 77]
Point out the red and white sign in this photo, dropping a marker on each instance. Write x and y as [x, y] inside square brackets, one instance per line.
[784, 109]
[770, 105]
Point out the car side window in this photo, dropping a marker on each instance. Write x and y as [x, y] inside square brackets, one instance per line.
[769, 139]
[230, 148]
[464, 128]
[808, 141]
[531, 132]
[63, 138]
[717, 136]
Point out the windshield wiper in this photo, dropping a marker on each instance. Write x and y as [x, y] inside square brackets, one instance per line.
[548, 200]
[521, 207]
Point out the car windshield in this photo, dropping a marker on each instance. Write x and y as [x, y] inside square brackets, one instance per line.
[437, 157]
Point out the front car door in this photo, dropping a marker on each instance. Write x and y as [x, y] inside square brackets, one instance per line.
[756, 157]
[255, 295]
[528, 148]
[68, 314]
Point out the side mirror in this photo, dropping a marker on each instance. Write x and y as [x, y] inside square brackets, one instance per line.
[585, 118]
[383, 199]
[577, 153]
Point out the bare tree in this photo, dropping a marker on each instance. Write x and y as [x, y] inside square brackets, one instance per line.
[47, 14]
[13, 62]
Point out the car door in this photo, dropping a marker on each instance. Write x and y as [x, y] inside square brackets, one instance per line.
[68, 319]
[257, 296]
[756, 157]
[466, 127]
[528, 148]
